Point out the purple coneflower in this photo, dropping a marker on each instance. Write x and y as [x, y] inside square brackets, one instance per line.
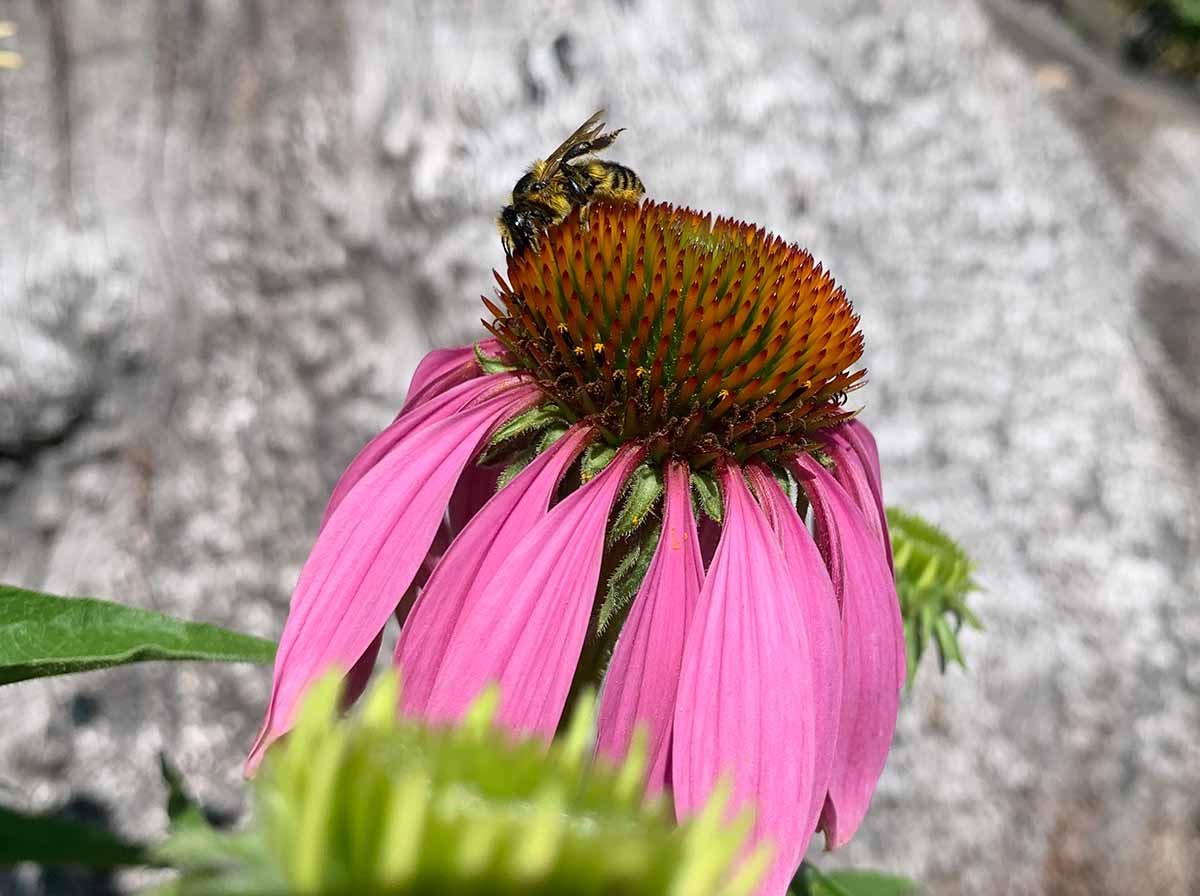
[668, 394]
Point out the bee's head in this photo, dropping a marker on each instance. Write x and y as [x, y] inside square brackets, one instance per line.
[516, 228]
[528, 183]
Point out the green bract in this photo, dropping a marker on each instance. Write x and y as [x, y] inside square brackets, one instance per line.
[370, 804]
[933, 579]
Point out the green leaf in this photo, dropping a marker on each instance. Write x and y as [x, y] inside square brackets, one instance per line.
[46, 634]
[811, 881]
[871, 883]
[182, 809]
[866, 883]
[213, 862]
[1188, 11]
[56, 841]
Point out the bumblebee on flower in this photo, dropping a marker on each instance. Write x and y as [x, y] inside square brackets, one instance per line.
[662, 401]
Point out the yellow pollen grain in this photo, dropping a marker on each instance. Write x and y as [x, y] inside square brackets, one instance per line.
[641, 372]
[562, 328]
[579, 352]
[598, 348]
[723, 394]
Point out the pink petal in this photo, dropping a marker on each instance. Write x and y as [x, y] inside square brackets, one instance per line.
[524, 627]
[822, 623]
[745, 700]
[437, 408]
[474, 557]
[475, 489]
[873, 655]
[444, 368]
[370, 550]
[856, 458]
[359, 676]
[863, 442]
[644, 673]
[852, 448]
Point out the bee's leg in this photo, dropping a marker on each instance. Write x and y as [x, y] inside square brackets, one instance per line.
[604, 140]
[576, 185]
[585, 147]
[578, 188]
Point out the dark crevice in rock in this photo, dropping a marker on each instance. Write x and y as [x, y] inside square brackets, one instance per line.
[60, 63]
[25, 451]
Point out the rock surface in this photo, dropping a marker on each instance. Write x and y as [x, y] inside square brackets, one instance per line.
[230, 230]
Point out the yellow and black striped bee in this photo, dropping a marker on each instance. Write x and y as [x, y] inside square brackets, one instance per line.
[546, 194]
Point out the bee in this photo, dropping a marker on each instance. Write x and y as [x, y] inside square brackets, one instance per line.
[551, 188]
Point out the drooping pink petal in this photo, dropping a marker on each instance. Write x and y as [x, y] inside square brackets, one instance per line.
[439, 407]
[359, 676]
[444, 368]
[474, 557]
[744, 708]
[822, 623]
[475, 488]
[524, 627]
[856, 461]
[440, 404]
[873, 656]
[639, 688]
[370, 550]
[856, 468]
[863, 442]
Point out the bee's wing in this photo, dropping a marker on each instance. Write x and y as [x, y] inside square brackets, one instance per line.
[589, 130]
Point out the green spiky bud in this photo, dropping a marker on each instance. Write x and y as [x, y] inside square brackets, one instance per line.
[933, 580]
[375, 804]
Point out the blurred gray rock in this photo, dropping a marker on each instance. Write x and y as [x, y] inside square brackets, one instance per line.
[229, 231]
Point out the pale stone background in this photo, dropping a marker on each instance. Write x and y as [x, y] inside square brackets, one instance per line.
[229, 229]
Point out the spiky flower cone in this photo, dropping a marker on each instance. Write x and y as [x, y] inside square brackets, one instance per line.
[701, 337]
